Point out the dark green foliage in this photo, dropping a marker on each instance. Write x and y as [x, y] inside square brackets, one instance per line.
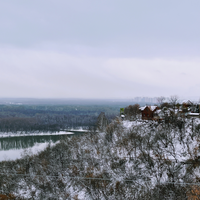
[29, 118]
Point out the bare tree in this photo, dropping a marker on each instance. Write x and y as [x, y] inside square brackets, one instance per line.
[132, 111]
[161, 100]
[173, 100]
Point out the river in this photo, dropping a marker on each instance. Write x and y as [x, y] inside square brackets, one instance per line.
[13, 147]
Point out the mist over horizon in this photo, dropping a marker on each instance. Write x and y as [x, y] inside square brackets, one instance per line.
[81, 101]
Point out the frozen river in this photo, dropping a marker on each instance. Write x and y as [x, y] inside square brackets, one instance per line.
[13, 147]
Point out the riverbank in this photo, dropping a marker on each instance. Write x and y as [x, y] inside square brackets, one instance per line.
[22, 134]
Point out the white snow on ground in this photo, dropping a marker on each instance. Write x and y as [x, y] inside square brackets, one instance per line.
[180, 148]
[4, 135]
[79, 130]
[193, 114]
[13, 154]
[20, 134]
[128, 124]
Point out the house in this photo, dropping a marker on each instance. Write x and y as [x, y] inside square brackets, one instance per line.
[187, 103]
[190, 109]
[148, 112]
[186, 106]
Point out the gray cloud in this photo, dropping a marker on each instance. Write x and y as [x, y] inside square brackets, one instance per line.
[31, 73]
[136, 28]
[99, 49]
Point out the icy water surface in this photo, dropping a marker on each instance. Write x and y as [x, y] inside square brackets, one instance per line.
[13, 147]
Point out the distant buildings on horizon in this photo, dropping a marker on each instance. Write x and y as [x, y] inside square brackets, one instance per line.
[145, 99]
[153, 100]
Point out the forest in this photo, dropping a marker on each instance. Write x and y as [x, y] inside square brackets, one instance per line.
[51, 118]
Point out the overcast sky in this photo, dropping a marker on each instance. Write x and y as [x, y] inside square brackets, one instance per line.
[99, 49]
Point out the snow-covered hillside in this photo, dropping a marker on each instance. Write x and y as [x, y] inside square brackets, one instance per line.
[130, 160]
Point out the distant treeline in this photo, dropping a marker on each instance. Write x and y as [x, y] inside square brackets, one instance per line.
[44, 118]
